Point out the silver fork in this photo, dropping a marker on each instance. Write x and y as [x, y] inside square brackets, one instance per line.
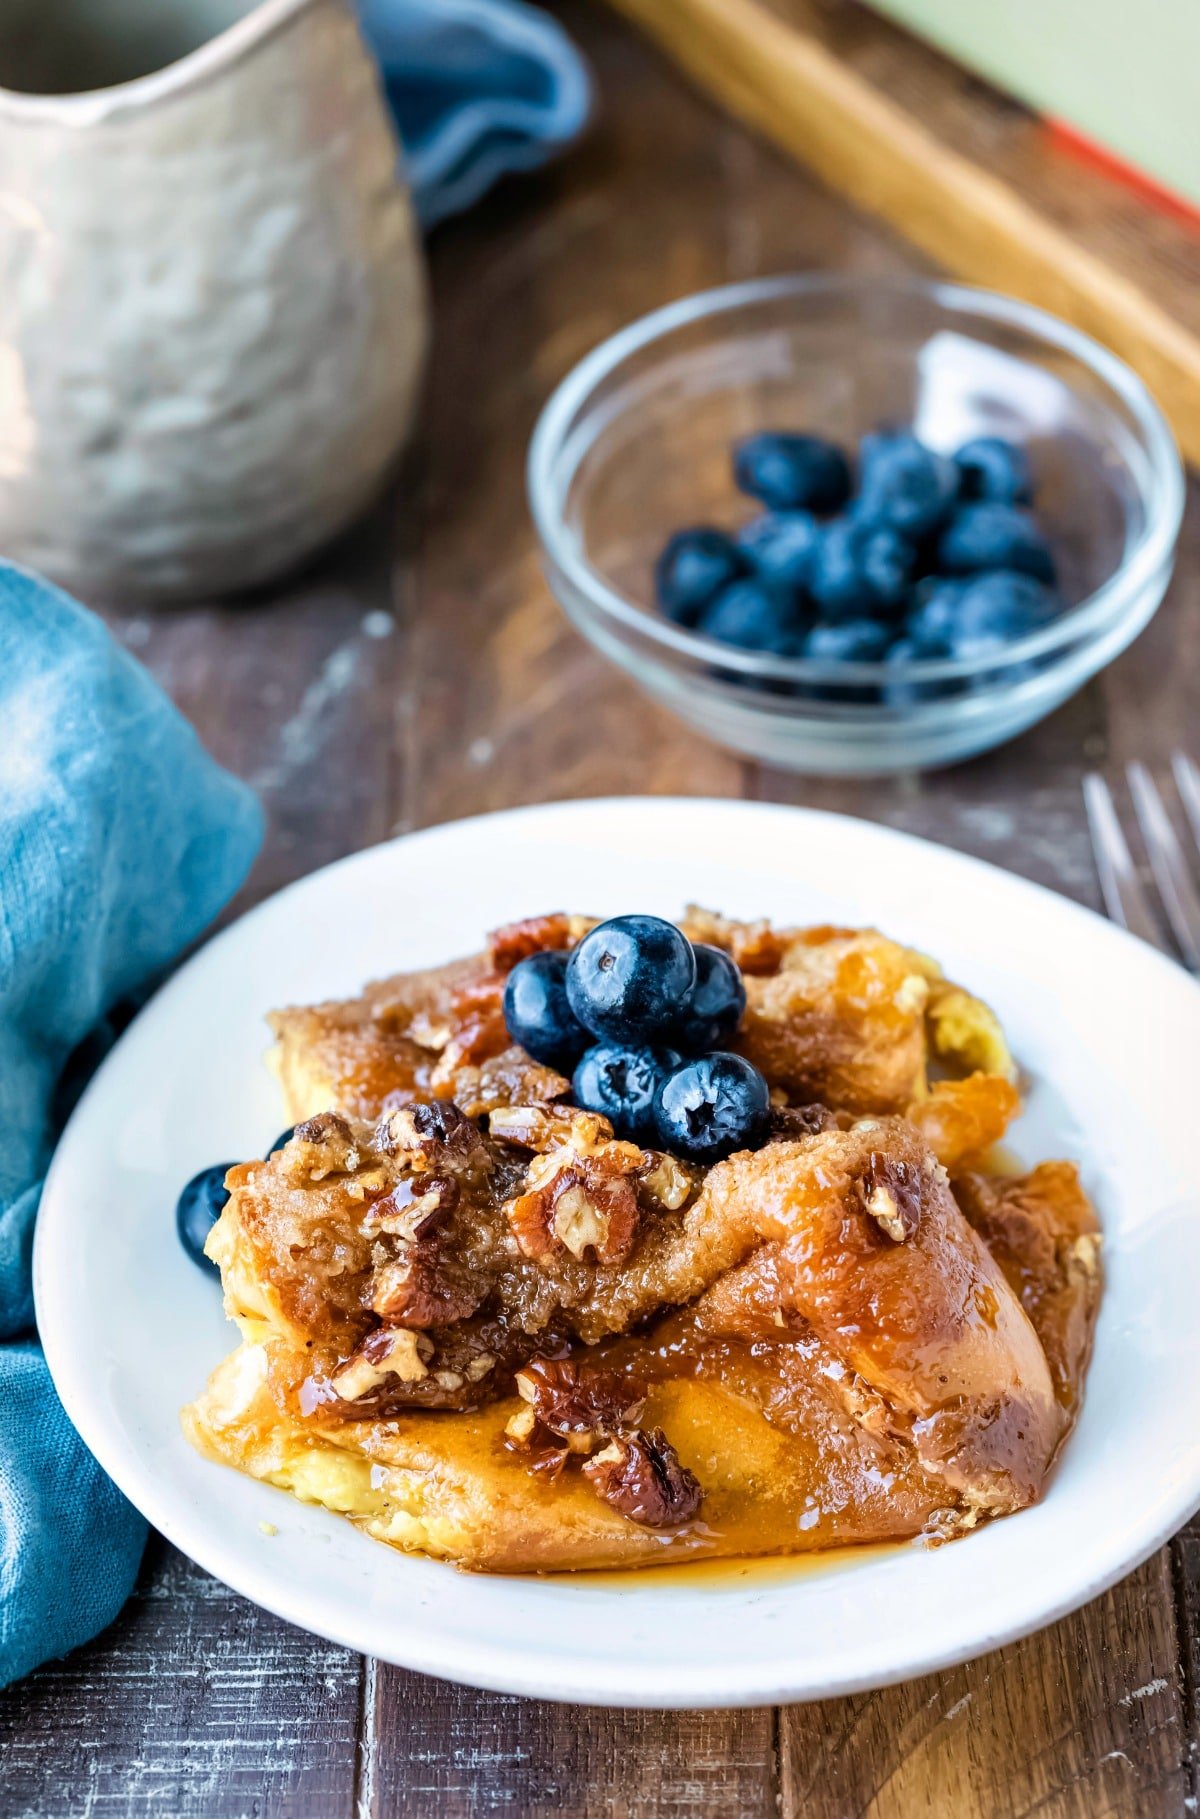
[1124, 896]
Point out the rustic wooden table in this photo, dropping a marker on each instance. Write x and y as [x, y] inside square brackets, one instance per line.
[422, 672]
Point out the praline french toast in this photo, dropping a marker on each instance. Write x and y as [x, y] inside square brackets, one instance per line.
[483, 1324]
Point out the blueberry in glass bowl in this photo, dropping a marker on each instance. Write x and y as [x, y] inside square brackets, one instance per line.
[905, 485]
[755, 617]
[921, 386]
[990, 536]
[789, 471]
[861, 568]
[779, 547]
[994, 469]
[694, 567]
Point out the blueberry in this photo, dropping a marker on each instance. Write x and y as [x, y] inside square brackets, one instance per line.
[860, 569]
[990, 536]
[903, 484]
[982, 614]
[755, 618]
[693, 568]
[627, 979]
[991, 468]
[899, 690]
[849, 641]
[716, 1002]
[930, 625]
[779, 547]
[995, 609]
[622, 1084]
[711, 1107]
[537, 1012]
[199, 1207]
[791, 472]
[283, 1138]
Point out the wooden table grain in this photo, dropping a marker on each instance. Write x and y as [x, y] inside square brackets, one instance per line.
[422, 672]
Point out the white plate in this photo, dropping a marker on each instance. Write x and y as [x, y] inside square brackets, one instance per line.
[1108, 1031]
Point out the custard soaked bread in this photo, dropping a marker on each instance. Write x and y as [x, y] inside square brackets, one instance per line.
[481, 1324]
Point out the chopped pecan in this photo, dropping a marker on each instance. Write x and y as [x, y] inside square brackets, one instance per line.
[387, 1352]
[428, 1134]
[579, 1205]
[580, 1403]
[320, 1146]
[324, 1127]
[415, 1289]
[532, 935]
[430, 1029]
[478, 1037]
[546, 1127]
[891, 1193]
[416, 1208]
[513, 1078]
[794, 1121]
[666, 1181]
[641, 1476]
[541, 1451]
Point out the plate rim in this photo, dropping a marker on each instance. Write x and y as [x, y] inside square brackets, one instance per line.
[501, 1669]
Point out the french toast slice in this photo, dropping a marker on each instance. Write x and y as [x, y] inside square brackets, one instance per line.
[482, 1327]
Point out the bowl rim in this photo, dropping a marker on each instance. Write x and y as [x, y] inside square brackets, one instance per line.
[1163, 496]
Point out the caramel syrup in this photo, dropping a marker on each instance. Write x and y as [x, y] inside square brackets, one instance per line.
[733, 1574]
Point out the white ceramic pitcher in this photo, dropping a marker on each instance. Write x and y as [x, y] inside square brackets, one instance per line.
[212, 302]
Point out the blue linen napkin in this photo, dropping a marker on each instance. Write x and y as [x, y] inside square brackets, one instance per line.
[120, 839]
[478, 88]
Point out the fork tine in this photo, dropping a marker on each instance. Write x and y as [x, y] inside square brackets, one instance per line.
[1124, 898]
[1187, 782]
[1168, 864]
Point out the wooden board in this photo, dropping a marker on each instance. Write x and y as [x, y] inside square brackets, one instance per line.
[968, 176]
[422, 671]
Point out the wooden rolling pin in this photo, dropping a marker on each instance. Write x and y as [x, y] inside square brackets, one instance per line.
[789, 71]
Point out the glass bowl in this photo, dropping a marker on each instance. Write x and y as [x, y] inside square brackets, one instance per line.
[636, 441]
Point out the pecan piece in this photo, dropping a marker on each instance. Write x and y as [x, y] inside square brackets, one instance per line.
[513, 1078]
[476, 1039]
[580, 1403]
[413, 1291]
[794, 1121]
[542, 1452]
[667, 1182]
[891, 1193]
[320, 1146]
[641, 1476]
[428, 1133]
[415, 1209]
[582, 1206]
[531, 935]
[387, 1352]
[545, 1127]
